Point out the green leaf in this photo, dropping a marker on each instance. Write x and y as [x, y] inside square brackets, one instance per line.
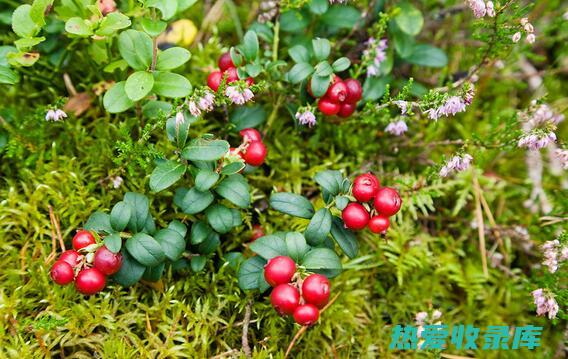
[269, 247]
[322, 260]
[171, 85]
[99, 222]
[153, 27]
[322, 48]
[248, 116]
[136, 48]
[168, 8]
[118, 64]
[235, 189]
[299, 53]
[130, 271]
[172, 242]
[206, 179]
[153, 274]
[341, 64]
[223, 219]
[111, 23]
[210, 244]
[233, 168]
[28, 42]
[193, 201]
[300, 72]
[4, 51]
[250, 272]
[296, 246]
[199, 232]
[183, 5]
[292, 204]
[120, 216]
[22, 23]
[319, 85]
[205, 150]
[37, 12]
[115, 99]
[341, 202]
[113, 242]
[319, 227]
[253, 70]
[139, 210]
[374, 87]
[330, 181]
[79, 27]
[166, 174]
[428, 55]
[323, 69]
[403, 44]
[319, 7]
[179, 227]
[250, 45]
[172, 58]
[409, 19]
[198, 263]
[344, 238]
[8, 76]
[293, 21]
[138, 85]
[145, 249]
[179, 132]
[345, 17]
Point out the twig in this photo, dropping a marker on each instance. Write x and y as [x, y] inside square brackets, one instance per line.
[480, 225]
[69, 85]
[304, 328]
[55, 229]
[225, 354]
[245, 343]
[494, 226]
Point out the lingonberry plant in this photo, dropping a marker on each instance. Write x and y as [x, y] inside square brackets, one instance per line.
[196, 176]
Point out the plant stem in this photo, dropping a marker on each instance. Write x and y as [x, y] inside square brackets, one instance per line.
[276, 41]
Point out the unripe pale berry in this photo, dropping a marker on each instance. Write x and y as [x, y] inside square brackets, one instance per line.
[387, 201]
[354, 91]
[346, 109]
[316, 289]
[255, 153]
[90, 281]
[379, 224]
[70, 256]
[306, 314]
[337, 92]
[285, 299]
[82, 239]
[279, 270]
[107, 262]
[251, 134]
[328, 107]
[214, 80]
[365, 187]
[62, 273]
[355, 216]
[225, 61]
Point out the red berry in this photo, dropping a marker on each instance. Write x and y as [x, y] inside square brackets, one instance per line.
[285, 299]
[62, 273]
[225, 61]
[255, 153]
[82, 239]
[315, 290]
[70, 257]
[214, 80]
[328, 107]
[279, 270]
[107, 262]
[387, 201]
[251, 134]
[365, 187]
[337, 92]
[355, 216]
[354, 91]
[346, 109]
[306, 314]
[90, 281]
[257, 232]
[232, 75]
[379, 224]
[249, 81]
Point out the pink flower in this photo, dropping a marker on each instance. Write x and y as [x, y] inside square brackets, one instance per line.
[237, 96]
[180, 119]
[516, 37]
[377, 51]
[535, 141]
[402, 105]
[106, 6]
[194, 109]
[116, 181]
[531, 38]
[397, 128]
[207, 101]
[545, 303]
[306, 118]
[421, 317]
[562, 156]
[456, 164]
[490, 9]
[436, 314]
[453, 105]
[478, 7]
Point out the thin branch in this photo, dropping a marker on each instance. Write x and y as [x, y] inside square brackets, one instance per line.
[480, 224]
[245, 343]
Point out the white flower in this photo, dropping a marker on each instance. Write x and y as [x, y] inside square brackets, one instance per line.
[116, 181]
[516, 37]
[421, 317]
[490, 9]
[55, 115]
[194, 109]
[531, 38]
[436, 314]
[180, 119]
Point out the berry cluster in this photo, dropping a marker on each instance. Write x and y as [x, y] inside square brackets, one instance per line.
[226, 68]
[291, 295]
[341, 97]
[87, 264]
[252, 150]
[386, 203]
